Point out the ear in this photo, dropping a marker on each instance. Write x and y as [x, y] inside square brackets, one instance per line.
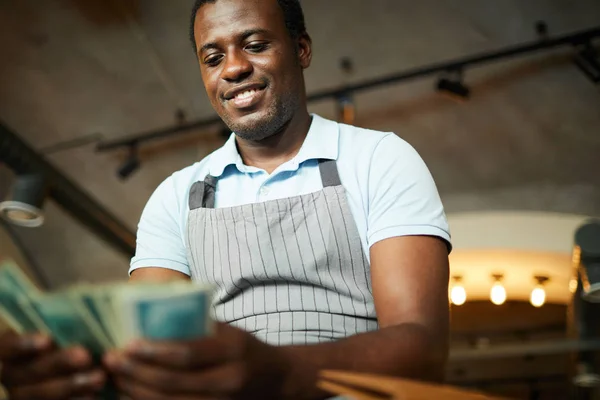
[304, 50]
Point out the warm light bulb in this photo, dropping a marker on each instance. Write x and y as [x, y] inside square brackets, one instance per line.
[458, 295]
[498, 294]
[538, 296]
[573, 285]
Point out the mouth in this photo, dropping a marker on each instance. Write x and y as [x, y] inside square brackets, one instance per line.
[244, 96]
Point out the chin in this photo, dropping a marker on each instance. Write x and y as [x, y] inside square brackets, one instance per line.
[255, 126]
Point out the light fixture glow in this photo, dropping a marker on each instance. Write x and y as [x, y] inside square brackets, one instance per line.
[498, 294]
[538, 296]
[458, 295]
[573, 285]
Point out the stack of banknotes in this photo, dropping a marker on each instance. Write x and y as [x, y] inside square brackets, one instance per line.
[103, 317]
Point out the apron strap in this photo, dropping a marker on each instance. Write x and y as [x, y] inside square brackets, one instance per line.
[202, 194]
[329, 173]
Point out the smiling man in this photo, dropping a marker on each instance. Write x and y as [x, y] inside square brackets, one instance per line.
[327, 243]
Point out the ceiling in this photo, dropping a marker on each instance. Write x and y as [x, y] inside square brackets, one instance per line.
[528, 140]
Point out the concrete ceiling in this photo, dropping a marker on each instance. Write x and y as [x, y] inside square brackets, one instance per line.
[527, 140]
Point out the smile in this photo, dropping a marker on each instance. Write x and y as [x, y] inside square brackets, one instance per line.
[246, 98]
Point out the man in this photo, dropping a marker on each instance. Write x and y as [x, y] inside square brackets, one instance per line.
[327, 244]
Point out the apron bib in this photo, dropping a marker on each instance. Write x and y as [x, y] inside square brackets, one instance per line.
[289, 271]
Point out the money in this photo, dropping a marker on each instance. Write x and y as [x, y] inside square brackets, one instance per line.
[103, 317]
[93, 300]
[15, 296]
[70, 323]
[158, 315]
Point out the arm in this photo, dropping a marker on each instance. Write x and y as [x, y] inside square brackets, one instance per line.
[408, 242]
[410, 276]
[410, 288]
[156, 274]
[160, 253]
[407, 236]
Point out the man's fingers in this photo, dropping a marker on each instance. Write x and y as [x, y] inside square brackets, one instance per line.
[55, 364]
[14, 347]
[228, 344]
[220, 380]
[136, 391]
[59, 389]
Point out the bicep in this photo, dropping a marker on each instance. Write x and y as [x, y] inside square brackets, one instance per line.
[155, 274]
[159, 235]
[410, 282]
[408, 237]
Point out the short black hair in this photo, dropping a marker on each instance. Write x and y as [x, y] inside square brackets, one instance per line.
[292, 12]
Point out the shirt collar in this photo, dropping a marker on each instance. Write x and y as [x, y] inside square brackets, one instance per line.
[322, 142]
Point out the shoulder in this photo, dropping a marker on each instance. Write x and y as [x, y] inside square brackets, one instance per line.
[353, 137]
[366, 148]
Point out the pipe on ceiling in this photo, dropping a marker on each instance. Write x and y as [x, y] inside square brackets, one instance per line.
[22, 158]
[575, 39]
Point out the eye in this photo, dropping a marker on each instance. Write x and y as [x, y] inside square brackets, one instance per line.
[257, 47]
[213, 60]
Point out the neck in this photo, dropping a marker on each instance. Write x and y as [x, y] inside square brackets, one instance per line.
[270, 153]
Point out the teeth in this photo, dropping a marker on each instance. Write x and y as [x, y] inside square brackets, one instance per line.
[245, 94]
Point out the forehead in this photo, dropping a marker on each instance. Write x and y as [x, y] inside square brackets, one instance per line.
[226, 18]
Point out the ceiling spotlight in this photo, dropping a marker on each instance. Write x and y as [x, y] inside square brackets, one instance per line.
[346, 65]
[131, 164]
[458, 294]
[587, 61]
[538, 294]
[453, 86]
[25, 207]
[498, 293]
[541, 28]
[587, 244]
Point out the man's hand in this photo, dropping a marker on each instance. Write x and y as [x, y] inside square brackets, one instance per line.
[32, 368]
[232, 364]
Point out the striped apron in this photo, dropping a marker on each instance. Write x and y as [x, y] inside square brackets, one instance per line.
[289, 271]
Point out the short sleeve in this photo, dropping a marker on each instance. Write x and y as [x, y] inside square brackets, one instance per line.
[159, 239]
[403, 197]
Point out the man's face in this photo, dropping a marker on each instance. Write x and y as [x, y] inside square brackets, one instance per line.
[251, 68]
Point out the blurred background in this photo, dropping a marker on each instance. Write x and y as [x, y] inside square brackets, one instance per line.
[101, 100]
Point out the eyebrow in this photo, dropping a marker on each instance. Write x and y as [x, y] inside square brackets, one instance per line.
[243, 36]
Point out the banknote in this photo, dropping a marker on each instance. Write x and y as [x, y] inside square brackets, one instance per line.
[158, 315]
[91, 299]
[101, 317]
[15, 293]
[70, 323]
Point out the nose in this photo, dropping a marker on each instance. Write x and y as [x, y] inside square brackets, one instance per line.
[237, 67]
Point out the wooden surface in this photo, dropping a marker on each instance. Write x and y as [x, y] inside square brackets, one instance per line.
[374, 387]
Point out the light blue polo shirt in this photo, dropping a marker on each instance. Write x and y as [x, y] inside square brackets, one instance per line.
[390, 190]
